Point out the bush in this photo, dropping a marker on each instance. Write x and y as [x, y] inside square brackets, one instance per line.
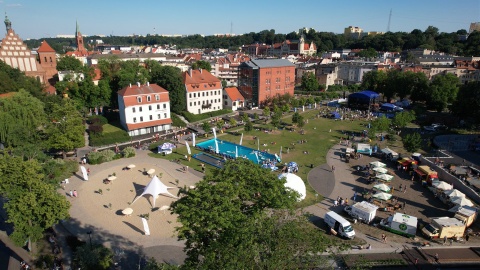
[102, 156]
[177, 122]
[45, 259]
[412, 142]
[56, 170]
[199, 117]
[129, 152]
[107, 155]
[97, 119]
[95, 128]
[109, 138]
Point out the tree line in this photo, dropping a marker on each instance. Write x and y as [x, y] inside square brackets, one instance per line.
[431, 38]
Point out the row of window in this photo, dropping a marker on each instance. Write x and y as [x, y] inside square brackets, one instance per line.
[204, 93]
[159, 116]
[149, 108]
[205, 102]
[277, 87]
[149, 98]
[277, 80]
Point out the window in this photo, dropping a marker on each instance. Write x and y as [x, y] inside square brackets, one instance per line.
[234, 103]
[139, 99]
[207, 94]
[149, 107]
[133, 109]
[203, 94]
[149, 98]
[151, 117]
[51, 60]
[45, 59]
[159, 116]
[158, 106]
[164, 106]
[194, 94]
[195, 103]
[226, 103]
[157, 97]
[134, 119]
[141, 118]
[190, 104]
[139, 109]
[165, 115]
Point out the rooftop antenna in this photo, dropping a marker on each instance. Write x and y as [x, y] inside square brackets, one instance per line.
[389, 20]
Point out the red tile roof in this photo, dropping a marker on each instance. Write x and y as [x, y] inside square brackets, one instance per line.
[200, 80]
[130, 94]
[234, 94]
[44, 47]
[51, 89]
[133, 126]
[6, 95]
[98, 74]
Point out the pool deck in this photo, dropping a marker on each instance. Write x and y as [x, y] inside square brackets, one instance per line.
[210, 160]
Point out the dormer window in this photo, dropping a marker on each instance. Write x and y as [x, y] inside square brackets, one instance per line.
[149, 98]
[139, 99]
[157, 97]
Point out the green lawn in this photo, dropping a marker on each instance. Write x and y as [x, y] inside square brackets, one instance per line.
[108, 128]
[316, 133]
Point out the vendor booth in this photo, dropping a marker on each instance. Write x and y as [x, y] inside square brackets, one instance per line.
[364, 148]
[166, 148]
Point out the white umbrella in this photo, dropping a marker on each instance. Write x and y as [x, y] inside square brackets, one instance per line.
[461, 201]
[380, 170]
[131, 166]
[111, 178]
[385, 177]
[443, 185]
[382, 187]
[454, 193]
[378, 164]
[383, 196]
[127, 211]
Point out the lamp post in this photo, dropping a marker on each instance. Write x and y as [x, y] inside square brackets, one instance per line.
[90, 238]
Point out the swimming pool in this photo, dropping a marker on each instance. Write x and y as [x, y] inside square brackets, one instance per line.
[228, 149]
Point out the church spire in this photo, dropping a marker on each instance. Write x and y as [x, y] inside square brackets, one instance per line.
[8, 23]
[77, 29]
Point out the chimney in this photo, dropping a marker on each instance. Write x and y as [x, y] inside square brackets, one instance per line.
[130, 85]
[148, 83]
[138, 84]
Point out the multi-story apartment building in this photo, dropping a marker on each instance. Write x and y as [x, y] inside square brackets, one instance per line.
[203, 90]
[260, 79]
[144, 109]
[226, 67]
[352, 72]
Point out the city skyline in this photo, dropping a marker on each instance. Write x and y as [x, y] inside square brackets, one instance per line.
[39, 19]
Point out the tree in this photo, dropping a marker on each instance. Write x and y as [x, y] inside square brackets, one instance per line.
[169, 78]
[380, 124]
[230, 198]
[368, 53]
[467, 104]
[220, 124]
[97, 257]
[295, 117]
[443, 91]
[309, 82]
[300, 121]
[32, 205]
[403, 118]
[69, 63]
[202, 64]
[412, 142]
[266, 112]
[206, 126]
[65, 129]
[375, 80]
[248, 126]
[232, 122]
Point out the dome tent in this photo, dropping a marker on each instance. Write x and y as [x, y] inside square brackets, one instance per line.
[295, 183]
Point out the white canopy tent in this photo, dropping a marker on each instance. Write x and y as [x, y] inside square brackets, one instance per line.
[294, 182]
[384, 177]
[155, 188]
[454, 193]
[443, 185]
[378, 164]
[461, 201]
[382, 196]
[382, 187]
[380, 170]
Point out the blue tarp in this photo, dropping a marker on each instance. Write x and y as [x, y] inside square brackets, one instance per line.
[388, 106]
[335, 115]
[364, 94]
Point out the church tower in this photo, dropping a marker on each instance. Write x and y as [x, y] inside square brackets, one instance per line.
[79, 39]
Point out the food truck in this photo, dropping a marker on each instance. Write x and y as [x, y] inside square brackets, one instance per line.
[426, 175]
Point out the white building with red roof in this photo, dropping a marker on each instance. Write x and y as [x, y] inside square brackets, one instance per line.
[144, 109]
[203, 90]
[232, 98]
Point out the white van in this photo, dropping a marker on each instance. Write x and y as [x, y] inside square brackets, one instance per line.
[340, 225]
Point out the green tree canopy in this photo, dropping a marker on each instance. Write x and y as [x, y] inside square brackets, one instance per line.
[169, 78]
[403, 118]
[412, 142]
[309, 82]
[203, 65]
[69, 63]
[224, 201]
[467, 104]
[443, 91]
[368, 53]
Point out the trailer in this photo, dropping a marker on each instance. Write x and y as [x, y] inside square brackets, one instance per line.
[444, 227]
[363, 211]
[401, 224]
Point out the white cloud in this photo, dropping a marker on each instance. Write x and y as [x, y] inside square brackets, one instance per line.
[14, 5]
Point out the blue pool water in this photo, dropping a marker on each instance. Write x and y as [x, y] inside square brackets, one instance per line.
[228, 149]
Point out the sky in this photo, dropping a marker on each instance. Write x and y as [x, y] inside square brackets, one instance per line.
[48, 18]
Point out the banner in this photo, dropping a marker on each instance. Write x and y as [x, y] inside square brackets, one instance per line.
[84, 172]
[216, 146]
[258, 144]
[241, 139]
[145, 226]
[188, 148]
[236, 152]
[214, 133]
[256, 154]
[280, 152]
[193, 139]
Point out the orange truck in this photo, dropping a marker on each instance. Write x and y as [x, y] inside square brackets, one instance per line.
[426, 175]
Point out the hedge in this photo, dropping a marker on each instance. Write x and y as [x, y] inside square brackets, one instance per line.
[109, 138]
[199, 117]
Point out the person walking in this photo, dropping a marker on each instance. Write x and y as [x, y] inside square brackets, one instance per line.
[405, 189]
[467, 236]
[400, 188]
[436, 257]
[88, 171]
[71, 193]
[333, 168]
[451, 241]
[335, 203]
[355, 196]
[383, 238]
[75, 194]
[445, 240]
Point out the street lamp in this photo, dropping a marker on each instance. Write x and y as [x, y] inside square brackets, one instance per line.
[90, 237]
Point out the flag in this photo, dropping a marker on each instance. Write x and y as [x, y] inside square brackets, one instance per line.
[145, 226]
[236, 151]
[280, 152]
[241, 139]
[193, 139]
[84, 172]
[188, 148]
[256, 154]
[214, 133]
[216, 146]
[258, 144]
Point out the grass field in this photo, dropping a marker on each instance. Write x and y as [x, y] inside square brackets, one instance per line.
[108, 128]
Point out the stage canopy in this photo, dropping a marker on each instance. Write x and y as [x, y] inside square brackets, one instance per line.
[155, 188]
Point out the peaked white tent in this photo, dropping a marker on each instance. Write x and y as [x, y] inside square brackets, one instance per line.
[155, 188]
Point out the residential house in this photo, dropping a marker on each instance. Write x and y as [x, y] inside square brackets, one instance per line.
[203, 91]
[144, 109]
[232, 99]
[261, 79]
